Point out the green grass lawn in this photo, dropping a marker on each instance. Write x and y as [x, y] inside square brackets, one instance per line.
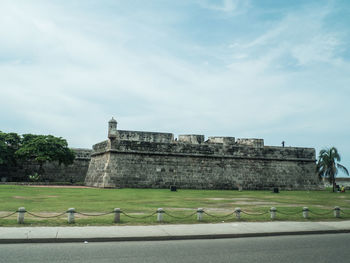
[46, 201]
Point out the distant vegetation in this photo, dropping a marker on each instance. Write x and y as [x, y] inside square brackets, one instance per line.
[16, 149]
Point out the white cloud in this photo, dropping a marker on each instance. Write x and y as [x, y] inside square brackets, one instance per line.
[226, 6]
[300, 35]
[63, 72]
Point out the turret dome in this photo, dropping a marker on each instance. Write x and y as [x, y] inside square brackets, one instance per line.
[113, 120]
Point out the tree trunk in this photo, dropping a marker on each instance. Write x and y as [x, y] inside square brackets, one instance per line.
[41, 169]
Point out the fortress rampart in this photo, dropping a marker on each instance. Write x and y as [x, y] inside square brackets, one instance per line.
[157, 160]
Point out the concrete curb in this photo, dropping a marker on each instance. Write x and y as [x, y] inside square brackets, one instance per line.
[170, 237]
[168, 232]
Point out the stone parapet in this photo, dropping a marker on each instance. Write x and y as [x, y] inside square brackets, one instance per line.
[250, 142]
[221, 140]
[211, 150]
[82, 153]
[191, 138]
[100, 147]
[157, 137]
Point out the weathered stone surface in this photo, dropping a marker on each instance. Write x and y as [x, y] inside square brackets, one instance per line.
[191, 138]
[156, 160]
[54, 172]
[224, 140]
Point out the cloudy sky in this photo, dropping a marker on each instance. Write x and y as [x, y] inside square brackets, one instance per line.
[278, 70]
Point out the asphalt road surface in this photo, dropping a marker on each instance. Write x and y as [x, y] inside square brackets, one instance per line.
[307, 248]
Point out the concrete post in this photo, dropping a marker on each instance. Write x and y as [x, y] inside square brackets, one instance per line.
[200, 212]
[20, 217]
[71, 212]
[273, 211]
[337, 211]
[238, 212]
[160, 212]
[305, 212]
[117, 215]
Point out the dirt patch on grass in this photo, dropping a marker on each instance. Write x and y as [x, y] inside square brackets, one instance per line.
[254, 203]
[20, 197]
[5, 213]
[180, 209]
[217, 199]
[61, 186]
[236, 199]
[219, 210]
[27, 197]
[324, 206]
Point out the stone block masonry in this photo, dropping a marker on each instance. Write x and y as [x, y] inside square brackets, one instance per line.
[54, 172]
[155, 160]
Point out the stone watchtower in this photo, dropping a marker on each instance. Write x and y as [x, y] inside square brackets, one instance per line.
[112, 129]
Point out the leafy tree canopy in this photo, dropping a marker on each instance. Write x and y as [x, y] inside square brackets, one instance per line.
[42, 148]
[31, 147]
[9, 144]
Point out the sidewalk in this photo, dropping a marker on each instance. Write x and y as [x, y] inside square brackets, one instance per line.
[166, 232]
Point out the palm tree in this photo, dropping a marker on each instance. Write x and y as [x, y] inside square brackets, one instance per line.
[328, 166]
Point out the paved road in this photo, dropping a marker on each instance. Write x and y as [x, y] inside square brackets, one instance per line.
[308, 248]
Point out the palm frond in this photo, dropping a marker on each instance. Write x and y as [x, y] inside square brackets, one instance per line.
[334, 154]
[342, 168]
[323, 151]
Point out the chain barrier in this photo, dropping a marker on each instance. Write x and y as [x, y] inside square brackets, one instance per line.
[35, 215]
[255, 214]
[102, 214]
[177, 217]
[138, 217]
[289, 214]
[8, 215]
[345, 213]
[320, 214]
[225, 216]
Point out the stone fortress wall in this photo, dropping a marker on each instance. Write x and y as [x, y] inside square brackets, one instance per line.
[157, 160]
[75, 172]
[54, 172]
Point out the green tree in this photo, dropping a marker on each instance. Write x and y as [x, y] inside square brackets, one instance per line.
[9, 144]
[45, 148]
[328, 166]
[3, 150]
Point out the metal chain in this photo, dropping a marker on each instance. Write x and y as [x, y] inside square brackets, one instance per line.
[8, 215]
[219, 216]
[103, 214]
[255, 214]
[138, 217]
[342, 211]
[322, 214]
[45, 216]
[288, 214]
[177, 217]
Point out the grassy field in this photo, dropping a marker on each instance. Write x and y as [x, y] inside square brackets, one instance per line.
[48, 201]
